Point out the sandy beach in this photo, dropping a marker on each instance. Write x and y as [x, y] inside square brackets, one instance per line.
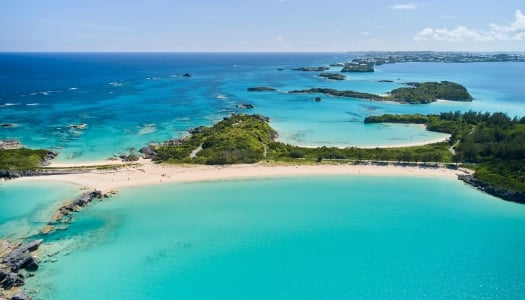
[444, 138]
[145, 172]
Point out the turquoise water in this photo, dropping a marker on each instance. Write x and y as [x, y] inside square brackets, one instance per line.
[306, 238]
[27, 207]
[301, 238]
[130, 100]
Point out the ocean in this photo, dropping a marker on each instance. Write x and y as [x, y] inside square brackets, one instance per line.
[129, 100]
[315, 237]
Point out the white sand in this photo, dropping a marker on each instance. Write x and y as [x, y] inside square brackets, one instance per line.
[147, 173]
[444, 138]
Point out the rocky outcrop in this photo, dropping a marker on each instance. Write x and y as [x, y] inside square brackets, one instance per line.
[245, 106]
[47, 159]
[12, 174]
[148, 152]
[20, 296]
[509, 195]
[15, 261]
[196, 130]
[80, 202]
[262, 118]
[77, 126]
[10, 280]
[261, 89]
[10, 144]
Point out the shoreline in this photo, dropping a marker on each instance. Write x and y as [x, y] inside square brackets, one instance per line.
[445, 138]
[145, 172]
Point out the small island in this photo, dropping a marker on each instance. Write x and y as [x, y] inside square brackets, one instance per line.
[337, 93]
[333, 76]
[261, 89]
[312, 69]
[427, 92]
[417, 93]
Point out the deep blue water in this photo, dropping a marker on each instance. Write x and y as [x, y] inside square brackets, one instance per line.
[129, 100]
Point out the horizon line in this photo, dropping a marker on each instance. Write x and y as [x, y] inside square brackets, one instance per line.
[256, 52]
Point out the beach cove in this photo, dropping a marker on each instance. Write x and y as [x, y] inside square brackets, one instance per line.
[340, 230]
[266, 230]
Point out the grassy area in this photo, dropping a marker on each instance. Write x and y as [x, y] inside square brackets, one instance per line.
[21, 159]
[250, 139]
[237, 139]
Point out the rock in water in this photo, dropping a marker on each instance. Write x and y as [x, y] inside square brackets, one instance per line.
[20, 296]
[20, 258]
[12, 280]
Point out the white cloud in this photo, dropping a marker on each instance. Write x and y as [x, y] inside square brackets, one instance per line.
[406, 6]
[513, 31]
[364, 33]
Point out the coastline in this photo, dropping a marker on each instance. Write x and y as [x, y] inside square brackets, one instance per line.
[145, 172]
[427, 142]
[445, 138]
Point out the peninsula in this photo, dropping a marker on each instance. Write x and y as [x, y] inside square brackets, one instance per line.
[491, 144]
[416, 93]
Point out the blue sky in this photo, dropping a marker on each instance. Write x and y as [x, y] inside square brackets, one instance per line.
[261, 25]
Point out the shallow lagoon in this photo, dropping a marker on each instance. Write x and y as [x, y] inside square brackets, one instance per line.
[309, 238]
[27, 207]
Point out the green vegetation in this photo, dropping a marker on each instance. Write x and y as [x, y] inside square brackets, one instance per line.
[333, 76]
[493, 145]
[249, 139]
[418, 93]
[237, 139]
[336, 93]
[427, 92]
[21, 159]
[312, 69]
[455, 124]
[432, 153]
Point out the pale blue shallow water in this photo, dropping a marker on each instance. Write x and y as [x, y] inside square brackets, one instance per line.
[344, 237]
[27, 207]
